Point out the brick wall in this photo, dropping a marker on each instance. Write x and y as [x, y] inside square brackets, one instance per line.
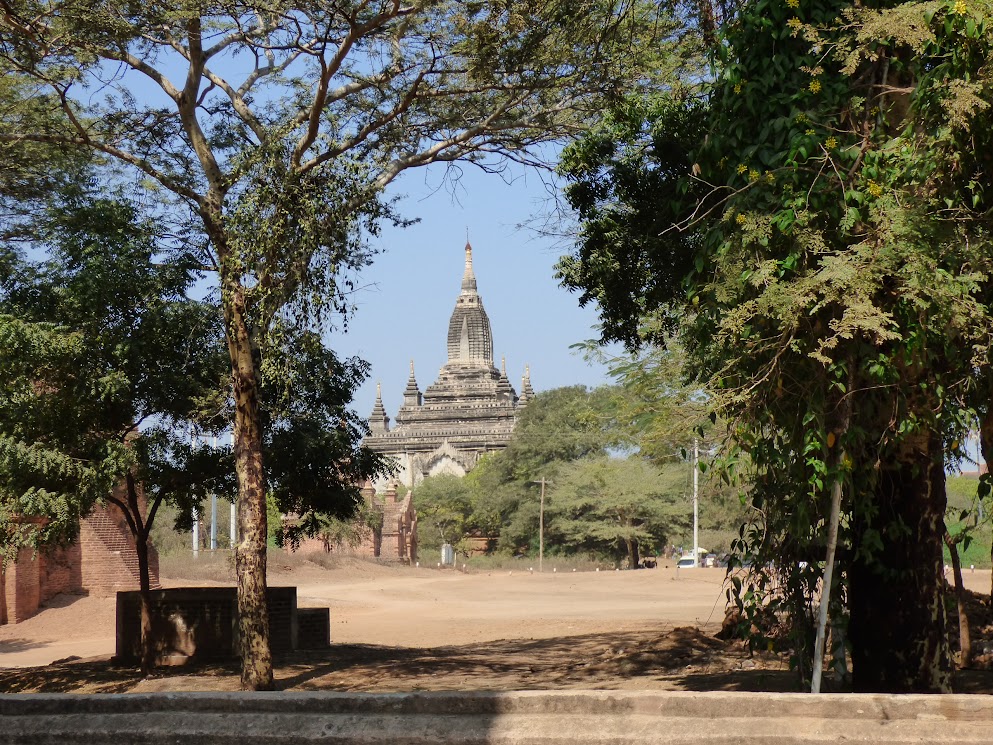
[101, 561]
[60, 571]
[200, 622]
[21, 586]
[313, 628]
[109, 560]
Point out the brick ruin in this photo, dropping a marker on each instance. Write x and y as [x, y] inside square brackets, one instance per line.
[100, 561]
[396, 538]
[394, 535]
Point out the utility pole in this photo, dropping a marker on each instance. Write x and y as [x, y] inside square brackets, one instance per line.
[696, 502]
[541, 524]
[213, 511]
[196, 511]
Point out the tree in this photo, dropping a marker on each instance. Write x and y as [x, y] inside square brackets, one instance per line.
[836, 296]
[157, 360]
[118, 348]
[615, 506]
[287, 122]
[558, 426]
[444, 506]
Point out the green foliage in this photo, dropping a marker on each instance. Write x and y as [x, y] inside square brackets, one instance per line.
[624, 184]
[558, 426]
[835, 223]
[615, 507]
[445, 511]
[315, 463]
[101, 341]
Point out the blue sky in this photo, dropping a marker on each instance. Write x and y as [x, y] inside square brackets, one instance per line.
[409, 292]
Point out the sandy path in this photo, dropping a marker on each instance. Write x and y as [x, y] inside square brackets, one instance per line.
[443, 608]
[418, 607]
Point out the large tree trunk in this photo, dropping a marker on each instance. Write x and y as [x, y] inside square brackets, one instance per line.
[965, 641]
[897, 625]
[250, 561]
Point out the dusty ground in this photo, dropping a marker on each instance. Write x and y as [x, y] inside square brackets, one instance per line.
[402, 628]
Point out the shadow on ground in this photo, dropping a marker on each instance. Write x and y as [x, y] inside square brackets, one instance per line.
[680, 658]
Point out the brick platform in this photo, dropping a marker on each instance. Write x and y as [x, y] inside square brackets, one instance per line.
[200, 623]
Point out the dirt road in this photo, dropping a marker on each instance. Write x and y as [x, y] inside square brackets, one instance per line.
[406, 606]
[403, 628]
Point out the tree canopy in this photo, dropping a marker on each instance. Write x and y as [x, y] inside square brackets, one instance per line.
[275, 126]
[833, 239]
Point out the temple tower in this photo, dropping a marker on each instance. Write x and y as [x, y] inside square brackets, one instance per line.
[470, 409]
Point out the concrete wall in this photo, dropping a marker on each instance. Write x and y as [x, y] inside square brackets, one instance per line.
[515, 718]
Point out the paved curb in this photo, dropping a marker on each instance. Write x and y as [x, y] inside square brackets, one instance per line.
[513, 718]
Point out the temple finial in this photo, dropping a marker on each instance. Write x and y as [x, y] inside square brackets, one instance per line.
[411, 368]
[469, 278]
[379, 390]
[503, 365]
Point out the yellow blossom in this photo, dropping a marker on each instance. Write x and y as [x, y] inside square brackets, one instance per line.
[742, 168]
[793, 3]
[801, 118]
[830, 143]
[794, 23]
[810, 132]
[961, 8]
[737, 87]
[815, 86]
[874, 189]
[753, 175]
[770, 177]
[740, 219]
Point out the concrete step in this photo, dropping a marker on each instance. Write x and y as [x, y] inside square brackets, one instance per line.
[506, 718]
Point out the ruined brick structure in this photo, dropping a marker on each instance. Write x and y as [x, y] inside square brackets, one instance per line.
[101, 561]
[396, 538]
[471, 409]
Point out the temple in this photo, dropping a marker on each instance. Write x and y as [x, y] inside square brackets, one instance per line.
[468, 411]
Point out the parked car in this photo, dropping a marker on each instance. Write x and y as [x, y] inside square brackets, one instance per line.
[686, 562]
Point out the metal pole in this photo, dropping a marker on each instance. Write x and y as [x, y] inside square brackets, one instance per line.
[196, 533]
[541, 528]
[213, 512]
[541, 524]
[196, 512]
[696, 502]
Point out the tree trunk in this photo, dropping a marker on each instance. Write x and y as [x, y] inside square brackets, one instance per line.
[145, 593]
[965, 642]
[633, 558]
[897, 625]
[986, 444]
[250, 557]
[832, 537]
[139, 529]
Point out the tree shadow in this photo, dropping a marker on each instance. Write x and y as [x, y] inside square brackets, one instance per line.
[651, 659]
[9, 646]
[93, 676]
